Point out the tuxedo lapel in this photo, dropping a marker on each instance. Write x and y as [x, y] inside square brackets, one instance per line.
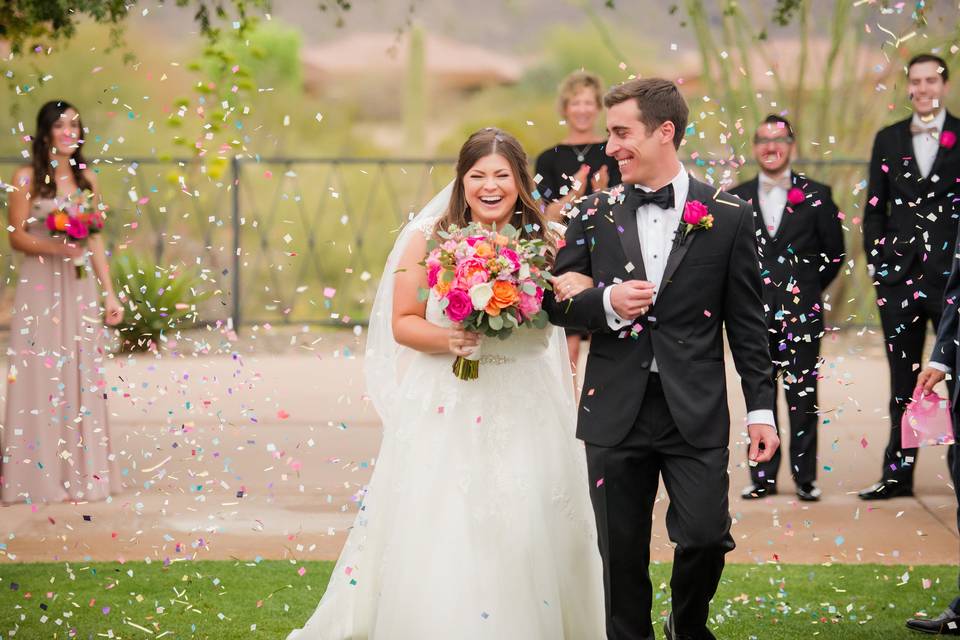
[907, 152]
[789, 212]
[950, 124]
[681, 245]
[625, 217]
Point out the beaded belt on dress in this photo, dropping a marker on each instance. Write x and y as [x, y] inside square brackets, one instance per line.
[495, 359]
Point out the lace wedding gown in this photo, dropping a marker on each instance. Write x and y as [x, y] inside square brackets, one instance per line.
[477, 522]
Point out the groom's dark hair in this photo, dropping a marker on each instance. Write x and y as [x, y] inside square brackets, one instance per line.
[659, 101]
[929, 57]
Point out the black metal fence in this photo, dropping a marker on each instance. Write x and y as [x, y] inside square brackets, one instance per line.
[302, 240]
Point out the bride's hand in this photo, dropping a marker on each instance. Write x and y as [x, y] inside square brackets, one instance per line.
[569, 284]
[463, 343]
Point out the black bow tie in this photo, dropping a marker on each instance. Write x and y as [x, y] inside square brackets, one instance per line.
[662, 197]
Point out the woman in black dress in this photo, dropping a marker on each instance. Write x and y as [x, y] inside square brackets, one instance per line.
[578, 165]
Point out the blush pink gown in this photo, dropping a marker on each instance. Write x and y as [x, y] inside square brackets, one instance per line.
[55, 436]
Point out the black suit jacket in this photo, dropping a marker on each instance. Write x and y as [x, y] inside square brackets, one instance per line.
[711, 281]
[807, 249]
[948, 332]
[909, 222]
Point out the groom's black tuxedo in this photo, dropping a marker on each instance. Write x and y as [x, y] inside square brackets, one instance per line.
[639, 425]
[712, 281]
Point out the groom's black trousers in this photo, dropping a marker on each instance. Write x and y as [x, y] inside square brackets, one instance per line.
[624, 480]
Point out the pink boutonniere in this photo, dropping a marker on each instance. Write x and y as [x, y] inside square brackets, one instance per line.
[695, 216]
[948, 139]
[795, 196]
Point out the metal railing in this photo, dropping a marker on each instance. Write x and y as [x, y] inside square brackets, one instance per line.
[302, 240]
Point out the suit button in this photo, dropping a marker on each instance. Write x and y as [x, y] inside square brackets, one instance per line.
[645, 364]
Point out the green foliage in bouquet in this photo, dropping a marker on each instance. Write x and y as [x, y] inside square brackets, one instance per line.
[157, 299]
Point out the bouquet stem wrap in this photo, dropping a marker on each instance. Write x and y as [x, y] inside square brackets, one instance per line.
[80, 266]
[467, 367]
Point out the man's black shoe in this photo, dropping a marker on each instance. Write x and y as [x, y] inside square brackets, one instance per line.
[946, 624]
[886, 489]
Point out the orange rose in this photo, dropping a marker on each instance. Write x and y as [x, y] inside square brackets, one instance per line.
[505, 294]
[60, 220]
[441, 287]
[502, 240]
[484, 250]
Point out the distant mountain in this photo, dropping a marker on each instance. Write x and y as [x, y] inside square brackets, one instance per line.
[516, 25]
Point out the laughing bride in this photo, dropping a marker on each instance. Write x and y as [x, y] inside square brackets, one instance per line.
[477, 522]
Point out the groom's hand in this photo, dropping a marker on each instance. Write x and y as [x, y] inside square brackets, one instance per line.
[763, 442]
[631, 299]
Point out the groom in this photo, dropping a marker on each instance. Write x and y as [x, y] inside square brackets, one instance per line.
[654, 395]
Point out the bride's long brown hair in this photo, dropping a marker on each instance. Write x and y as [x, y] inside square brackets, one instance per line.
[528, 216]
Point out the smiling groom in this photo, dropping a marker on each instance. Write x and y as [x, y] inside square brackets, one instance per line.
[674, 262]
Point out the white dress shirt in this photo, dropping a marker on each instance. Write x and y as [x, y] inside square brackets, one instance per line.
[939, 366]
[656, 228]
[925, 146]
[772, 202]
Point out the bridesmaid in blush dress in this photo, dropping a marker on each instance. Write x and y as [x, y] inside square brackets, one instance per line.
[54, 439]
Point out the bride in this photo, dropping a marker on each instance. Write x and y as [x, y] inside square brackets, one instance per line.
[477, 522]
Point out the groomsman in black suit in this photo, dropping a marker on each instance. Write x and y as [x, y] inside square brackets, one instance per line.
[909, 226]
[944, 359]
[800, 242]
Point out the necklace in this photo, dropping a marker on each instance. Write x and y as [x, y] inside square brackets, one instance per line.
[582, 151]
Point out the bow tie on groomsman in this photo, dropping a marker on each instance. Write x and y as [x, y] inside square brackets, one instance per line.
[662, 197]
[933, 130]
[768, 184]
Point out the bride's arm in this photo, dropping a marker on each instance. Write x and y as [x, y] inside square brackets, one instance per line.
[410, 326]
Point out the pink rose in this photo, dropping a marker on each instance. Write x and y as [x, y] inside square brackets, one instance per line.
[433, 268]
[795, 196]
[694, 211]
[531, 305]
[948, 139]
[52, 222]
[459, 306]
[76, 229]
[433, 273]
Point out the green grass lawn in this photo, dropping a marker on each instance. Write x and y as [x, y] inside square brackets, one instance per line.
[269, 598]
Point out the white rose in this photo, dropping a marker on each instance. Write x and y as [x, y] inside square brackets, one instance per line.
[480, 295]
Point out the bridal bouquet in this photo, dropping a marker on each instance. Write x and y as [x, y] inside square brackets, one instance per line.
[76, 221]
[488, 281]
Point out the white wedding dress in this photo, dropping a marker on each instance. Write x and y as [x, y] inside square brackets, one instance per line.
[477, 522]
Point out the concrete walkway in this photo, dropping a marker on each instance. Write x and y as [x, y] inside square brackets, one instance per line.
[263, 455]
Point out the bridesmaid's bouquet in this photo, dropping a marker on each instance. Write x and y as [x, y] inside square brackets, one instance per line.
[76, 220]
[490, 281]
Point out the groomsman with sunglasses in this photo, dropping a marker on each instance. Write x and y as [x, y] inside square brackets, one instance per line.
[800, 244]
[909, 227]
